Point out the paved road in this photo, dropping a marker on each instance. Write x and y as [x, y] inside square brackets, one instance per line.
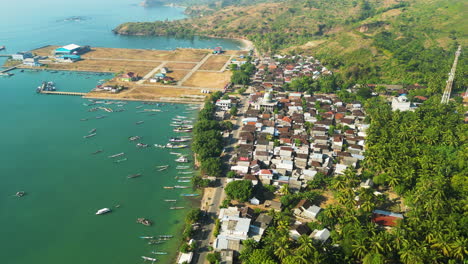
[204, 237]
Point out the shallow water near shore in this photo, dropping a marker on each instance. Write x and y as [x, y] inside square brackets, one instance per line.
[43, 151]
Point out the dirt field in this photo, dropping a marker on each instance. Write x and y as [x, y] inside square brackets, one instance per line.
[215, 63]
[149, 93]
[180, 66]
[141, 68]
[209, 79]
[177, 74]
[141, 61]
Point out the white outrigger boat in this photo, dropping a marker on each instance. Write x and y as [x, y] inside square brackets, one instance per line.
[103, 211]
[148, 258]
[182, 159]
[182, 167]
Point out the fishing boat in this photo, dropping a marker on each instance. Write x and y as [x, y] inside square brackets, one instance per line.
[141, 145]
[133, 138]
[176, 208]
[182, 130]
[159, 253]
[103, 211]
[100, 117]
[138, 107]
[178, 139]
[97, 151]
[174, 146]
[181, 187]
[182, 167]
[2, 47]
[185, 172]
[166, 236]
[117, 155]
[155, 242]
[84, 119]
[159, 146]
[172, 201]
[182, 159]
[90, 135]
[183, 181]
[181, 117]
[144, 221]
[178, 177]
[162, 166]
[152, 110]
[134, 175]
[120, 160]
[139, 122]
[147, 237]
[168, 187]
[175, 153]
[92, 131]
[20, 194]
[162, 169]
[189, 194]
[148, 258]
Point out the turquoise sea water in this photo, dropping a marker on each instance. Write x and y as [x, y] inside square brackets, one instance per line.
[43, 151]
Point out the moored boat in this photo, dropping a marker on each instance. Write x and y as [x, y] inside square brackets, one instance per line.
[159, 252]
[144, 221]
[176, 208]
[92, 131]
[103, 211]
[172, 201]
[120, 160]
[181, 187]
[117, 155]
[174, 146]
[97, 151]
[90, 135]
[133, 138]
[182, 159]
[189, 194]
[141, 145]
[148, 258]
[134, 175]
[139, 122]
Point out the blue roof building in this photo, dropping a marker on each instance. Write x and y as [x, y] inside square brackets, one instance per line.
[68, 49]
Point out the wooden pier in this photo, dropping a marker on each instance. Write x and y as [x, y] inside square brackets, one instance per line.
[9, 69]
[63, 93]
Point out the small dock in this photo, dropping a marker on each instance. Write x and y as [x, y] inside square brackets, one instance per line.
[6, 71]
[63, 93]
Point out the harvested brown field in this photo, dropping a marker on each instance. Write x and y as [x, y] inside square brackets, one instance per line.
[141, 68]
[209, 79]
[180, 66]
[188, 55]
[178, 74]
[215, 63]
[149, 93]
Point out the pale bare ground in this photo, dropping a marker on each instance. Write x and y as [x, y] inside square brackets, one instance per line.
[189, 55]
[215, 63]
[180, 66]
[45, 51]
[329, 199]
[208, 194]
[140, 68]
[209, 79]
[148, 93]
[235, 52]
[178, 74]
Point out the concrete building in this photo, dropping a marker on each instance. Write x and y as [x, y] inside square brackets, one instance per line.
[402, 103]
[22, 55]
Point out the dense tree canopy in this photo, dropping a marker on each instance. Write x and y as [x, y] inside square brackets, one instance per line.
[239, 190]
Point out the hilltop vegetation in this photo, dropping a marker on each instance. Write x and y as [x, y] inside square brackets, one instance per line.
[387, 41]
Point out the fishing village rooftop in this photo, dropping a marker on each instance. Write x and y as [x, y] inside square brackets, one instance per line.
[180, 75]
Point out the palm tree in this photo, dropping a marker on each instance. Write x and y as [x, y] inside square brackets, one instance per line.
[282, 247]
[306, 247]
[459, 248]
[285, 189]
[360, 248]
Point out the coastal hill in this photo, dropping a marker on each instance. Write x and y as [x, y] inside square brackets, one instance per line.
[373, 41]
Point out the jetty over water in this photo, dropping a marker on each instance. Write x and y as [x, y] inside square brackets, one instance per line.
[5, 72]
[63, 93]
